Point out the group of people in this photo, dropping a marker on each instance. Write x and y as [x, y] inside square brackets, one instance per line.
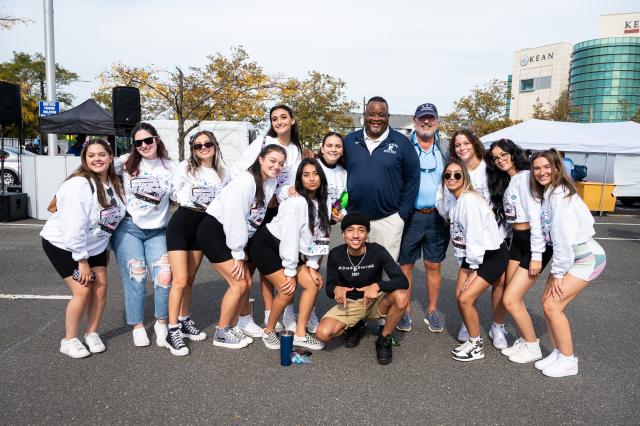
[507, 216]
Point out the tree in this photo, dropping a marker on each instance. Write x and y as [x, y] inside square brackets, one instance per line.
[9, 21]
[318, 103]
[483, 110]
[227, 88]
[29, 72]
[539, 112]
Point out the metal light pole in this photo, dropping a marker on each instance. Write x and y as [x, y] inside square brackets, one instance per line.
[50, 66]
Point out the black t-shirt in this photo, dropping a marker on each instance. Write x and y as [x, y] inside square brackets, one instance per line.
[362, 271]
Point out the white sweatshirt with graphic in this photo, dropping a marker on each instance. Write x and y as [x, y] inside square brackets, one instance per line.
[196, 190]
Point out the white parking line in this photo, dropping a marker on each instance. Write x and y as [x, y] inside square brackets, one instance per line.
[33, 296]
[37, 225]
[618, 239]
[621, 224]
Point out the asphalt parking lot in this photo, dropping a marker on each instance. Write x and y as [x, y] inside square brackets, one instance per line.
[423, 385]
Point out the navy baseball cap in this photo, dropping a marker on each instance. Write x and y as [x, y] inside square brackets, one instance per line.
[426, 109]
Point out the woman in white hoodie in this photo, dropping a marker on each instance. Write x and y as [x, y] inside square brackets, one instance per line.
[577, 259]
[479, 246]
[89, 207]
[287, 251]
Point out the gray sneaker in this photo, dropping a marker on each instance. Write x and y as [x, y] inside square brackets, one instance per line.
[226, 338]
[434, 322]
[405, 322]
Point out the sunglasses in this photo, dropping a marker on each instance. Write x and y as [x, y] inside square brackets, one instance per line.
[199, 146]
[148, 141]
[110, 193]
[454, 176]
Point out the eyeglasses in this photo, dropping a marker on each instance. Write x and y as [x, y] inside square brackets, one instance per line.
[147, 141]
[454, 176]
[199, 146]
[502, 156]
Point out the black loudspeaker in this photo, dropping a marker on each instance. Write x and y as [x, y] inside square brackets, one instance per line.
[13, 207]
[126, 106]
[10, 104]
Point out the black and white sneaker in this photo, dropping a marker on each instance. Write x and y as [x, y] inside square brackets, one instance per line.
[469, 351]
[175, 343]
[190, 331]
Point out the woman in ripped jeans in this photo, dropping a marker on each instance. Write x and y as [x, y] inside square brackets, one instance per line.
[140, 240]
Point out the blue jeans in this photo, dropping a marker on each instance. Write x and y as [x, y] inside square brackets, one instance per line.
[141, 253]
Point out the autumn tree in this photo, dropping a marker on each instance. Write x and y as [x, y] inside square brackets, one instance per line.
[8, 21]
[226, 88]
[539, 112]
[29, 72]
[318, 103]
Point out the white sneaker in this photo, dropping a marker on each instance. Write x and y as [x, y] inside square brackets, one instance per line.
[312, 324]
[498, 336]
[161, 331]
[528, 352]
[271, 340]
[463, 334]
[562, 367]
[513, 349]
[279, 327]
[226, 338]
[249, 327]
[140, 337]
[94, 343]
[290, 322]
[236, 330]
[309, 342]
[548, 360]
[73, 348]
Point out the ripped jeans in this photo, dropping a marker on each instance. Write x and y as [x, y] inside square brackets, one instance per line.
[142, 253]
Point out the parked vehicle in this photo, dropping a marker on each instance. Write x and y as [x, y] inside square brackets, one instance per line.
[12, 169]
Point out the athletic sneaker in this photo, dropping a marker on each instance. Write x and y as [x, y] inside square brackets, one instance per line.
[190, 331]
[249, 326]
[140, 337]
[463, 334]
[353, 335]
[175, 342]
[470, 351]
[405, 322]
[528, 352]
[271, 340]
[498, 336]
[384, 351]
[226, 338]
[309, 342]
[94, 343]
[73, 348]
[562, 367]
[161, 331]
[312, 324]
[241, 335]
[434, 322]
[513, 349]
[290, 322]
[548, 360]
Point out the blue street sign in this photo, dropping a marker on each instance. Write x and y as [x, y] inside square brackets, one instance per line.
[49, 108]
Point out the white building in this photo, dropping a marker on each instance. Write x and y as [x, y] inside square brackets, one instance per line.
[619, 25]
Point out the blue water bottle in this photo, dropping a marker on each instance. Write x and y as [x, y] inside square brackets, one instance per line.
[286, 347]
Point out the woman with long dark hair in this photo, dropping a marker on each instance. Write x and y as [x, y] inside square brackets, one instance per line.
[140, 240]
[287, 251]
[577, 260]
[89, 206]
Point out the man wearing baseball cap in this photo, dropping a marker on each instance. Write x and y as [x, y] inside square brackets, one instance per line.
[426, 232]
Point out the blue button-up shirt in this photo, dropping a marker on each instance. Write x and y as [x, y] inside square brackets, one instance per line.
[431, 168]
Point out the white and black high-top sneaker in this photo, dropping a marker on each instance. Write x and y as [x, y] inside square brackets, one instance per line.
[190, 331]
[470, 351]
[175, 343]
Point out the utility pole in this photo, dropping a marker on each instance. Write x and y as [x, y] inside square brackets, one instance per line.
[50, 67]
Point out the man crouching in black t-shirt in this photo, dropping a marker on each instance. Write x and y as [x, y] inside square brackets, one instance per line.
[354, 280]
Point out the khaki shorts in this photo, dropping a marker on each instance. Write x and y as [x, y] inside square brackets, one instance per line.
[355, 311]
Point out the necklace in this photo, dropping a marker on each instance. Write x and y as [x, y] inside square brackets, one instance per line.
[355, 267]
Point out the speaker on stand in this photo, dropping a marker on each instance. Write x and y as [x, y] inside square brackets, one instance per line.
[126, 110]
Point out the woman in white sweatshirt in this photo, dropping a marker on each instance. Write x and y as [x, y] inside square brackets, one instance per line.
[197, 182]
[140, 240]
[577, 259]
[528, 253]
[480, 249]
[287, 251]
[223, 235]
[90, 205]
[331, 157]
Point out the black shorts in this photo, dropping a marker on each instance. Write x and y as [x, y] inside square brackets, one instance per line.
[269, 215]
[493, 264]
[520, 249]
[183, 228]
[63, 262]
[212, 241]
[265, 250]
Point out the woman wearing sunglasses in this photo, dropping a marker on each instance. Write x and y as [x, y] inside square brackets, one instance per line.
[479, 246]
[89, 205]
[140, 240]
[223, 235]
[578, 259]
[509, 180]
[197, 182]
[469, 150]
